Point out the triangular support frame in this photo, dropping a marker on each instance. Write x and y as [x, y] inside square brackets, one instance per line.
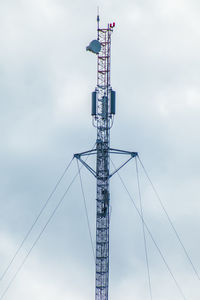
[110, 151]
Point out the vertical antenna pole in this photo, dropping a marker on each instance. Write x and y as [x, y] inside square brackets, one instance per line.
[98, 19]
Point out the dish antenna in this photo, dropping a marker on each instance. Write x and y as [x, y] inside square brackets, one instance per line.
[94, 47]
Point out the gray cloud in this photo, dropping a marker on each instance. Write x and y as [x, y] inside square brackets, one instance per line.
[46, 78]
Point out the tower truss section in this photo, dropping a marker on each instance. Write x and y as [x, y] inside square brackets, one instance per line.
[103, 111]
[103, 120]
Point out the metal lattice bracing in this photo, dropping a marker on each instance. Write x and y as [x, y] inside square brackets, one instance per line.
[103, 110]
[103, 120]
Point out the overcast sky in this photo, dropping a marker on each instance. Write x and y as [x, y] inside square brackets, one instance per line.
[46, 80]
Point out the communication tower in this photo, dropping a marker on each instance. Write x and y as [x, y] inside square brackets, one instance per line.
[103, 111]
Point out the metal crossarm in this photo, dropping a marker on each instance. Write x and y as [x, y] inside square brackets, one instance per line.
[90, 169]
[120, 167]
[110, 151]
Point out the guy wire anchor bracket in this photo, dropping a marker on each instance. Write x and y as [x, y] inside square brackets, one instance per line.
[111, 151]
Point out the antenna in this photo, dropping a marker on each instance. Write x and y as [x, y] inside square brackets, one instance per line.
[103, 111]
[98, 20]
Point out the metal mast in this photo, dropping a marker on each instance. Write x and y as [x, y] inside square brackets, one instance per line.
[103, 111]
[103, 119]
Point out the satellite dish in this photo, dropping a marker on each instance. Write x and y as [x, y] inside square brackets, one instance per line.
[94, 47]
